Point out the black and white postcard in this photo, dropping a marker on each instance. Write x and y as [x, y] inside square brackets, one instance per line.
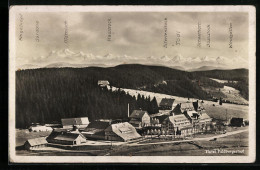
[132, 84]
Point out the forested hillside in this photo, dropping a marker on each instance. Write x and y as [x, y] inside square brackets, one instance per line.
[49, 94]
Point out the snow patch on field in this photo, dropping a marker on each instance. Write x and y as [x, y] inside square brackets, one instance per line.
[222, 81]
[213, 108]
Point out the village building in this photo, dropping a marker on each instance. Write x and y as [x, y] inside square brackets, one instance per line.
[182, 107]
[158, 120]
[139, 119]
[96, 129]
[166, 104]
[35, 143]
[196, 114]
[177, 125]
[237, 122]
[161, 113]
[155, 122]
[204, 118]
[121, 132]
[103, 83]
[80, 123]
[39, 128]
[66, 138]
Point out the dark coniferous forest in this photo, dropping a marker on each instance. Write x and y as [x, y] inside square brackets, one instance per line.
[49, 94]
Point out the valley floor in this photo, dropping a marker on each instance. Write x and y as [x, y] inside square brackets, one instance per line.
[234, 142]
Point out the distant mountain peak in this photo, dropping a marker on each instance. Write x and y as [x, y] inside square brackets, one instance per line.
[165, 58]
[173, 61]
[151, 57]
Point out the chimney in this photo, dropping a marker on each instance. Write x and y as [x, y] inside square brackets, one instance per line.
[128, 110]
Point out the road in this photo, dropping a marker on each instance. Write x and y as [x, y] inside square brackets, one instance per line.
[190, 140]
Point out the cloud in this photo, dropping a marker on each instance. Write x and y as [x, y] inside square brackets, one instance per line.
[138, 34]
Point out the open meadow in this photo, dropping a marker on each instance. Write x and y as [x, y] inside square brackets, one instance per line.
[213, 109]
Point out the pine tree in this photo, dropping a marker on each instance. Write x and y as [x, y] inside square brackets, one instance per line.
[154, 106]
[139, 101]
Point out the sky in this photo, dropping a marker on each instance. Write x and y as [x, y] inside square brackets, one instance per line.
[135, 34]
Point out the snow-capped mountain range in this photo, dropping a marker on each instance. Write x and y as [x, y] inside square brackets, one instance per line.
[68, 58]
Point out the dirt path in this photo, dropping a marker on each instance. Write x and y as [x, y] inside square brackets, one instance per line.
[191, 140]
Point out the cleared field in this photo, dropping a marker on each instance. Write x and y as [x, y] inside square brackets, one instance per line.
[227, 93]
[217, 111]
[226, 110]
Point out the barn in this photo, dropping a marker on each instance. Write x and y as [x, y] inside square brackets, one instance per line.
[35, 143]
[80, 122]
[96, 129]
[121, 132]
[139, 119]
[66, 138]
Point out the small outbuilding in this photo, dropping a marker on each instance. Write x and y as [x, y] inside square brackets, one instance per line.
[35, 143]
[121, 132]
[237, 122]
[103, 83]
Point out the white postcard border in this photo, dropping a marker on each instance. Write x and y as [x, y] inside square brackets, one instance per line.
[13, 158]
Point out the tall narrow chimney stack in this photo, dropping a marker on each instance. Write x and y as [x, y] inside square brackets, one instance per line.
[128, 110]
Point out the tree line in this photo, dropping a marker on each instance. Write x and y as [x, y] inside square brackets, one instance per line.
[47, 95]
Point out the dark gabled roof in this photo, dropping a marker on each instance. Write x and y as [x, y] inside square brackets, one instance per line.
[137, 114]
[65, 136]
[97, 125]
[237, 119]
[53, 134]
[177, 109]
[68, 136]
[37, 141]
[166, 102]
